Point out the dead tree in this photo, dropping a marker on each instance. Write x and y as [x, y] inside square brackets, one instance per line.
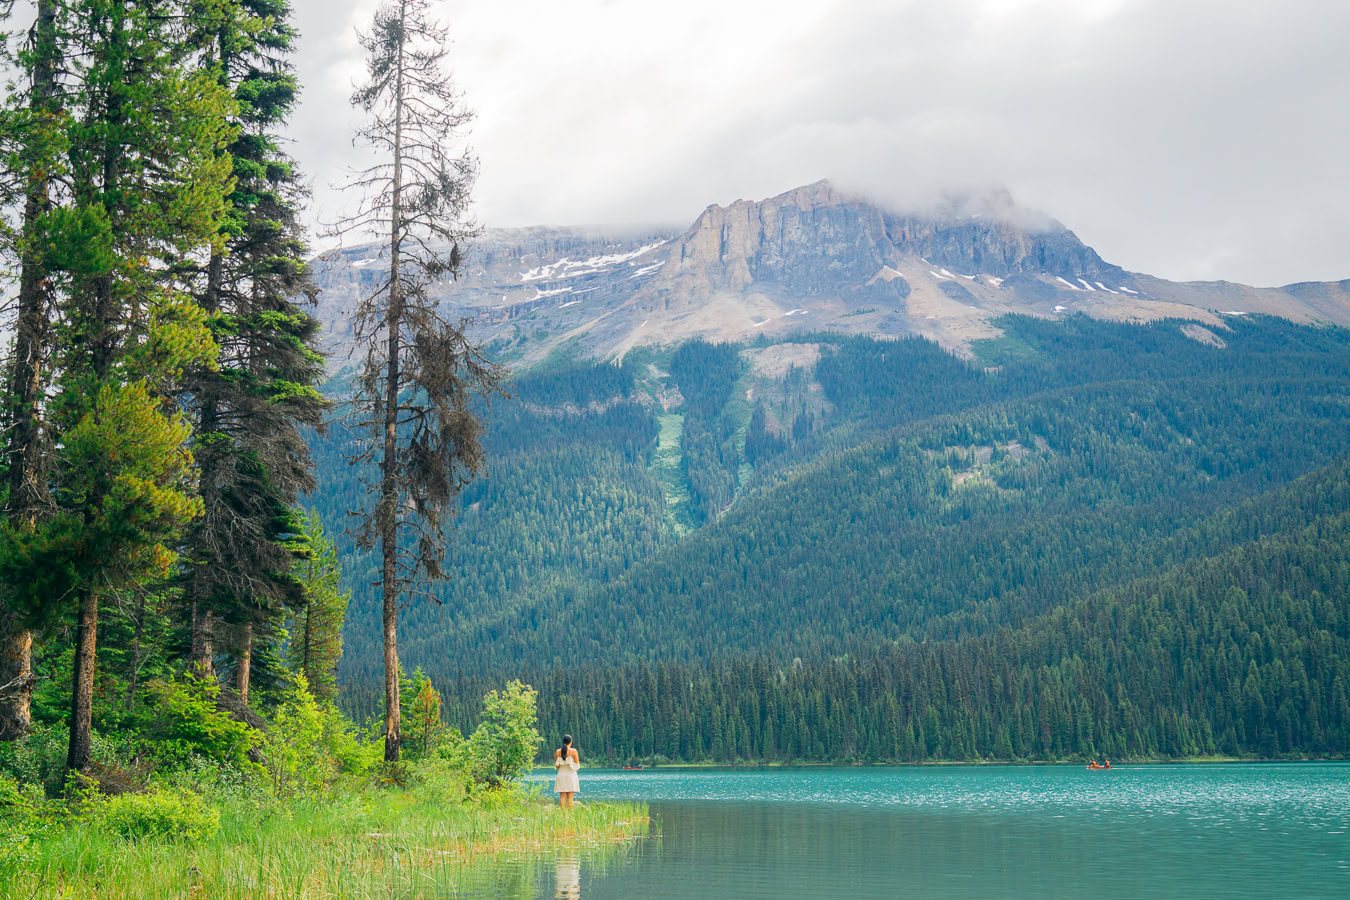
[414, 401]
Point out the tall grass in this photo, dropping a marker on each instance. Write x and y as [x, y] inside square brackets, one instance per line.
[350, 844]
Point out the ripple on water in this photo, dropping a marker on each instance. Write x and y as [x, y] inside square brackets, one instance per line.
[1050, 831]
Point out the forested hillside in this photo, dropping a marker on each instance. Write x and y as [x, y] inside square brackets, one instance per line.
[1243, 652]
[875, 549]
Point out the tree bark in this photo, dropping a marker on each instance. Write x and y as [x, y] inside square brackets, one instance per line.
[25, 487]
[203, 659]
[16, 678]
[389, 470]
[82, 697]
[245, 662]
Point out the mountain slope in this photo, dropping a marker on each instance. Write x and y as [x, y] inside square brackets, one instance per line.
[898, 492]
[1242, 652]
[960, 488]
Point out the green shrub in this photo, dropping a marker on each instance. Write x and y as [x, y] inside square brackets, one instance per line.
[503, 746]
[38, 757]
[181, 720]
[297, 757]
[354, 756]
[172, 815]
[222, 782]
[24, 819]
[438, 780]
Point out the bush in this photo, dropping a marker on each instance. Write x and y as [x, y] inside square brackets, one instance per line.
[22, 822]
[438, 780]
[503, 746]
[353, 756]
[297, 756]
[174, 815]
[182, 720]
[223, 783]
[38, 757]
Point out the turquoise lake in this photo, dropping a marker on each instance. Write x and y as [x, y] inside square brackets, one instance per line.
[1250, 830]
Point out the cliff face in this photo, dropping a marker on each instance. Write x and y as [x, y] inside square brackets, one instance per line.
[812, 259]
[807, 242]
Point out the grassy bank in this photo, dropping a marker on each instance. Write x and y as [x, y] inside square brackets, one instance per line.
[357, 843]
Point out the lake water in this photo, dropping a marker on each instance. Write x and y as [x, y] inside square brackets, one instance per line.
[1223, 831]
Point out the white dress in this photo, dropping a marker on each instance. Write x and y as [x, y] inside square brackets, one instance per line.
[567, 781]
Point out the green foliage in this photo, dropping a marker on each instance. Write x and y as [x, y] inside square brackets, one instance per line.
[168, 815]
[315, 630]
[39, 759]
[422, 721]
[706, 375]
[22, 823]
[503, 746]
[258, 390]
[181, 720]
[298, 759]
[353, 755]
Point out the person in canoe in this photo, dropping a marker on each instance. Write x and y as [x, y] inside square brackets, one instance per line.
[567, 761]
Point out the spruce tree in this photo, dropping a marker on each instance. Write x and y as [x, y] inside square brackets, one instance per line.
[415, 391]
[315, 632]
[251, 403]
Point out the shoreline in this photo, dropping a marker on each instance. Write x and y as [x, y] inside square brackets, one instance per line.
[1116, 764]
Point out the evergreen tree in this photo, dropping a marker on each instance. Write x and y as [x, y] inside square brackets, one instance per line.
[315, 631]
[250, 403]
[147, 188]
[34, 128]
[414, 394]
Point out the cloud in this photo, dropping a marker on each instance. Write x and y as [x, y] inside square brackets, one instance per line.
[1185, 138]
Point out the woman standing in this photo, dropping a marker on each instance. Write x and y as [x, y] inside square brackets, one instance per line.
[566, 761]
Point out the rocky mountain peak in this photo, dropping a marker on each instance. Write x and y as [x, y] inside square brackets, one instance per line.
[814, 258]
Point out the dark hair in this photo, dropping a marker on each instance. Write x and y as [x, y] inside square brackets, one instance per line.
[567, 739]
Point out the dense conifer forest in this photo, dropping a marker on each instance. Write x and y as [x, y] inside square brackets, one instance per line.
[1091, 538]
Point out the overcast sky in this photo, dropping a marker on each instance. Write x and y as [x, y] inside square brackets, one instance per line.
[1191, 139]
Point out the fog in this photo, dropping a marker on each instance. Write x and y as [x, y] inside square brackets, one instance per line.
[1191, 139]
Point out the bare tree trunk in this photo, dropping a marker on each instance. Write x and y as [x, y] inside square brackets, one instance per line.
[136, 651]
[389, 468]
[25, 487]
[244, 665]
[203, 661]
[16, 679]
[82, 697]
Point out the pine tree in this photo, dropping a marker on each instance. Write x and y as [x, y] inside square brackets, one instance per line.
[420, 374]
[147, 188]
[315, 632]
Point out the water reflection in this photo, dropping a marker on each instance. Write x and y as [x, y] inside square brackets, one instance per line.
[567, 878]
[1221, 831]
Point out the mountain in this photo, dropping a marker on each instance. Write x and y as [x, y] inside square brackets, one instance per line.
[814, 258]
[1024, 532]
